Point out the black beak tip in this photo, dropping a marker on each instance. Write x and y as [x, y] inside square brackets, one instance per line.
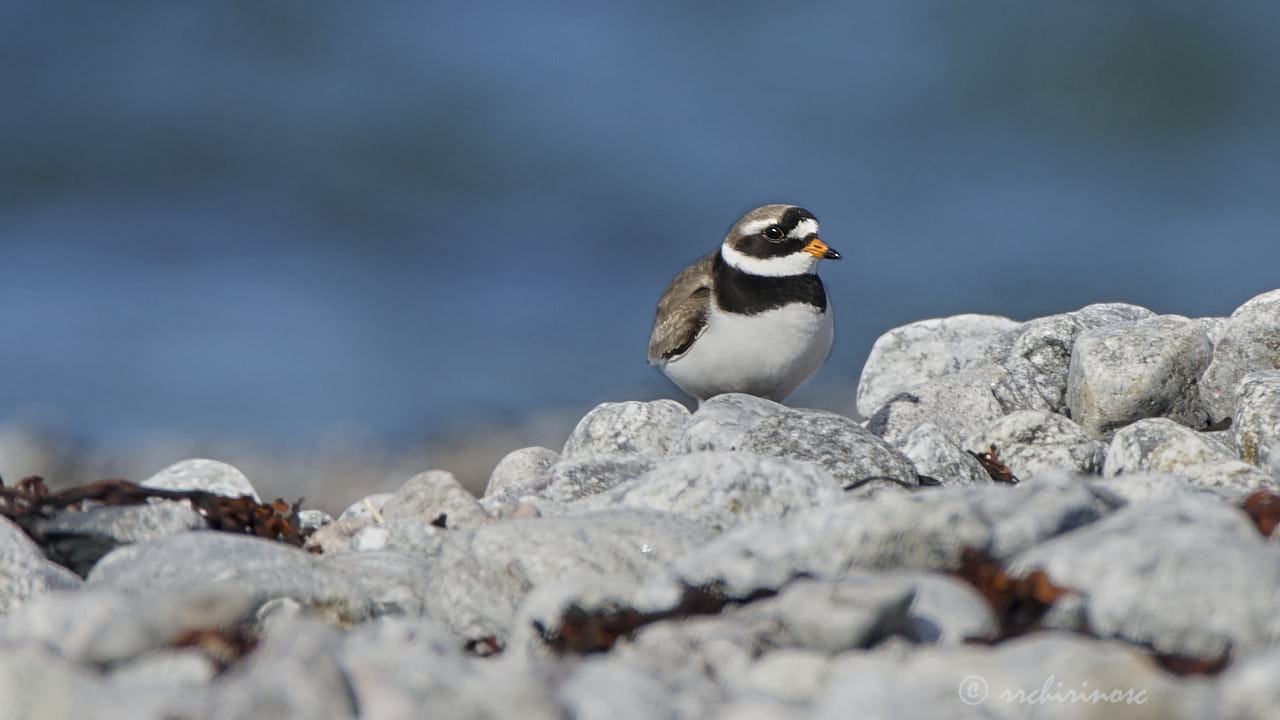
[830, 255]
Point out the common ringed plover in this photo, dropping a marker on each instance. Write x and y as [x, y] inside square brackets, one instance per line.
[751, 317]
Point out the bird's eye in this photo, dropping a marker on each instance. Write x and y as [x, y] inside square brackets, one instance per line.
[773, 233]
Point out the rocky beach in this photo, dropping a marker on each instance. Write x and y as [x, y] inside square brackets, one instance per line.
[1071, 516]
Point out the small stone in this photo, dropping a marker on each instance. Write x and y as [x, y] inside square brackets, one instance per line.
[628, 427]
[935, 456]
[1037, 363]
[480, 576]
[313, 519]
[66, 621]
[959, 404]
[337, 536]
[24, 571]
[1041, 675]
[1100, 315]
[635, 686]
[156, 620]
[1143, 369]
[106, 627]
[417, 538]
[294, 671]
[372, 584]
[35, 682]
[1142, 486]
[724, 489]
[1234, 478]
[1249, 689]
[366, 507]
[566, 481]
[76, 539]
[1249, 342]
[948, 611]
[1214, 327]
[720, 647]
[265, 568]
[790, 674]
[922, 351]
[202, 474]
[1184, 574]
[520, 468]
[435, 497]
[1256, 427]
[831, 615]
[540, 613]
[722, 422]
[920, 530]
[1033, 441]
[405, 667]
[163, 670]
[1162, 445]
[573, 479]
[1036, 366]
[834, 443]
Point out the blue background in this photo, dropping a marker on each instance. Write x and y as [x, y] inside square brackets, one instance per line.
[292, 220]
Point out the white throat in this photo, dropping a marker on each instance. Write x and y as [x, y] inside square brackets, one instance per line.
[798, 263]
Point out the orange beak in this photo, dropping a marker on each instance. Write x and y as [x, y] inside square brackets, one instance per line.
[821, 250]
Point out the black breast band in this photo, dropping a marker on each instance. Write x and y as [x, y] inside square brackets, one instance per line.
[746, 294]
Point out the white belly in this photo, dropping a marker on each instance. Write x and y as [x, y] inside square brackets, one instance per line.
[769, 354]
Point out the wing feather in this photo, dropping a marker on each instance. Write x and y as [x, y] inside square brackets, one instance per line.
[682, 312]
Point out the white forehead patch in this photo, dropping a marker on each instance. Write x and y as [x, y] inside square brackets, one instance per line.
[797, 263]
[804, 229]
[754, 227]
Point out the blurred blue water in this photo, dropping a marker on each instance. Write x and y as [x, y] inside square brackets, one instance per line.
[274, 219]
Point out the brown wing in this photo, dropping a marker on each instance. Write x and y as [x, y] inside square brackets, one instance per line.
[682, 312]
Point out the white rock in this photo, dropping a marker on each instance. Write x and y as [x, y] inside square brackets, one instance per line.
[1256, 427]
[24, 571]
[519, 468]
[628, 427]
[925, 350]
[960, 404]
[1184, 574]
[842, 447]
[1030, 442]
[722, 422]
[435, 497]
[1250, 341]
[1147, 368]
[203, 474]
[1162, 445]
[936, 456]
[1037, 363]
[725, 489]
[920, 530]
[1025, 677]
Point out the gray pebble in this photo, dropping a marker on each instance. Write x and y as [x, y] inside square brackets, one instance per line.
[1249, 342]
[922, 351]
[1143, 369]
[203, 474]
[519, 468]
[1256, 427]
[1030, 442]
[628, 427]
[936, 456]
[725, 489]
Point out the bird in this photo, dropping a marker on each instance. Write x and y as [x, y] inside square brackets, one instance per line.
[751, 317]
